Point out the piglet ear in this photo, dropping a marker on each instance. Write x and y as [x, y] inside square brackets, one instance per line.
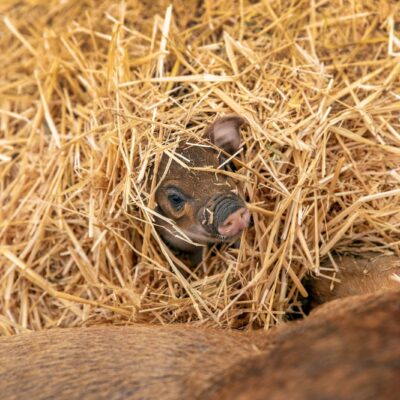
[225, 133]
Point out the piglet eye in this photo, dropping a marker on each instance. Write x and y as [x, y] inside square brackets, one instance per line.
[176, 200]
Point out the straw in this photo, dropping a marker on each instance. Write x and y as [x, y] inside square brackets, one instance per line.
[93, 93]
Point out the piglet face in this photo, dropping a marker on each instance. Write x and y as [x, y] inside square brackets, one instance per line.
[205, 206]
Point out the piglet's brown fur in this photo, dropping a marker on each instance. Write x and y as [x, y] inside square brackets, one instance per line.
[357, 275]
[136, 362]
[351, 354]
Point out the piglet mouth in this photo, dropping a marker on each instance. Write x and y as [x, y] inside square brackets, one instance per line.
[201, 236]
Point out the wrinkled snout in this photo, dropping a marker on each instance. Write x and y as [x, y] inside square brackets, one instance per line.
[225, 216]
[235, 223]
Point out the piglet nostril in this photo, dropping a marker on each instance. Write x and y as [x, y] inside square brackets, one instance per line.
[235, 223]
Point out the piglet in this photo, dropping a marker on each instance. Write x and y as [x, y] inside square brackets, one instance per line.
[202, 207]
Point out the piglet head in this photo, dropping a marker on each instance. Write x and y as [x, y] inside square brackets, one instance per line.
[205, 206]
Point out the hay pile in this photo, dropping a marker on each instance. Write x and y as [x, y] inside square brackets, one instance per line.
[92, 93]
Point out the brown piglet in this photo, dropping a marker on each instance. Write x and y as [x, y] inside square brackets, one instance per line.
[197, 206]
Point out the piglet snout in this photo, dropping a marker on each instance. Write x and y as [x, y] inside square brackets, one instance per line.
[235, 223]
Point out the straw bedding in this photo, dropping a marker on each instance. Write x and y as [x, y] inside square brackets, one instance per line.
[92, 93]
